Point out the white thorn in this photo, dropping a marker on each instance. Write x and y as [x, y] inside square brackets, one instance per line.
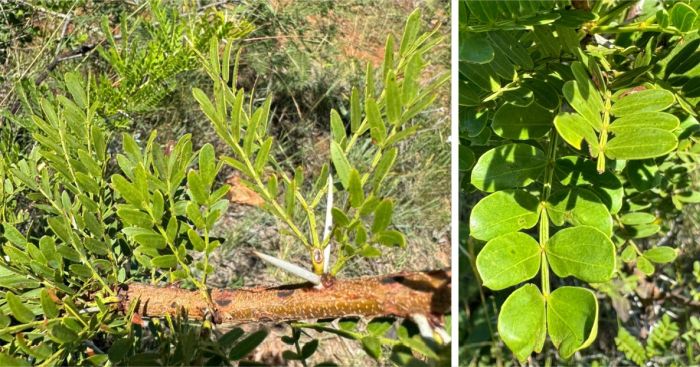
[424, 328]
[289, 268]
[327, 226]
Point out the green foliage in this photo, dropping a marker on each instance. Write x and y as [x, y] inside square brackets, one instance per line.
[389, 108]
[86, 209]
[569, 118]
[148, 57]
[658, 342]
[376, 340]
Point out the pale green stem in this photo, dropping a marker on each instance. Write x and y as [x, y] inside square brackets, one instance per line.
[604, 134]
[544, 218]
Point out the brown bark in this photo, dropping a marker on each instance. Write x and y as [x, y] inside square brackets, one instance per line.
[400, 294]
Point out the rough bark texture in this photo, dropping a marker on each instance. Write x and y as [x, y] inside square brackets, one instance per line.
[400, 294]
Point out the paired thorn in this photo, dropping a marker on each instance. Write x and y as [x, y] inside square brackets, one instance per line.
[427, 331]
[327, 226]
[424, 328]
[289, 267]
[297, 270]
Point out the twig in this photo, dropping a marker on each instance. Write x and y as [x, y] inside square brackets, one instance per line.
[400, 295]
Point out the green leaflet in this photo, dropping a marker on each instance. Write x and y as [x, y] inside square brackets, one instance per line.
[641, 143]
[510, 47]
[650, 100]
[521, 322]
[579, 206]
[637, 218]
[643, 174]
[645, 266]
[503, 212]
[341, 164]
[474, 48]
[544, 93]
[581, 172]
[519, 123]
[661, 254]
[572, 319]
[508, 260]
[508, 166]
[481, 75]
[583, 252]
[683, 16]
[659, 120]
[586, 103]
[574, 129]
[18, 309]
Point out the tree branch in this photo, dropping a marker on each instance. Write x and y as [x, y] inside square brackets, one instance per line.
[401, 295]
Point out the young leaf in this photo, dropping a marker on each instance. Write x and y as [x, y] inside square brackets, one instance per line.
[393, 100]
[337, 128]
[263, 155]
[206, 106]
[385, 163]
[128, 191]
[13, 235]
[197, 242]
[357, 194]
[207, 163]
[377, 129]
[74, 85]
[382, 215]
[388, 63]
[341, 164]
[410, 31]
[645, 266]
[199, 190]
